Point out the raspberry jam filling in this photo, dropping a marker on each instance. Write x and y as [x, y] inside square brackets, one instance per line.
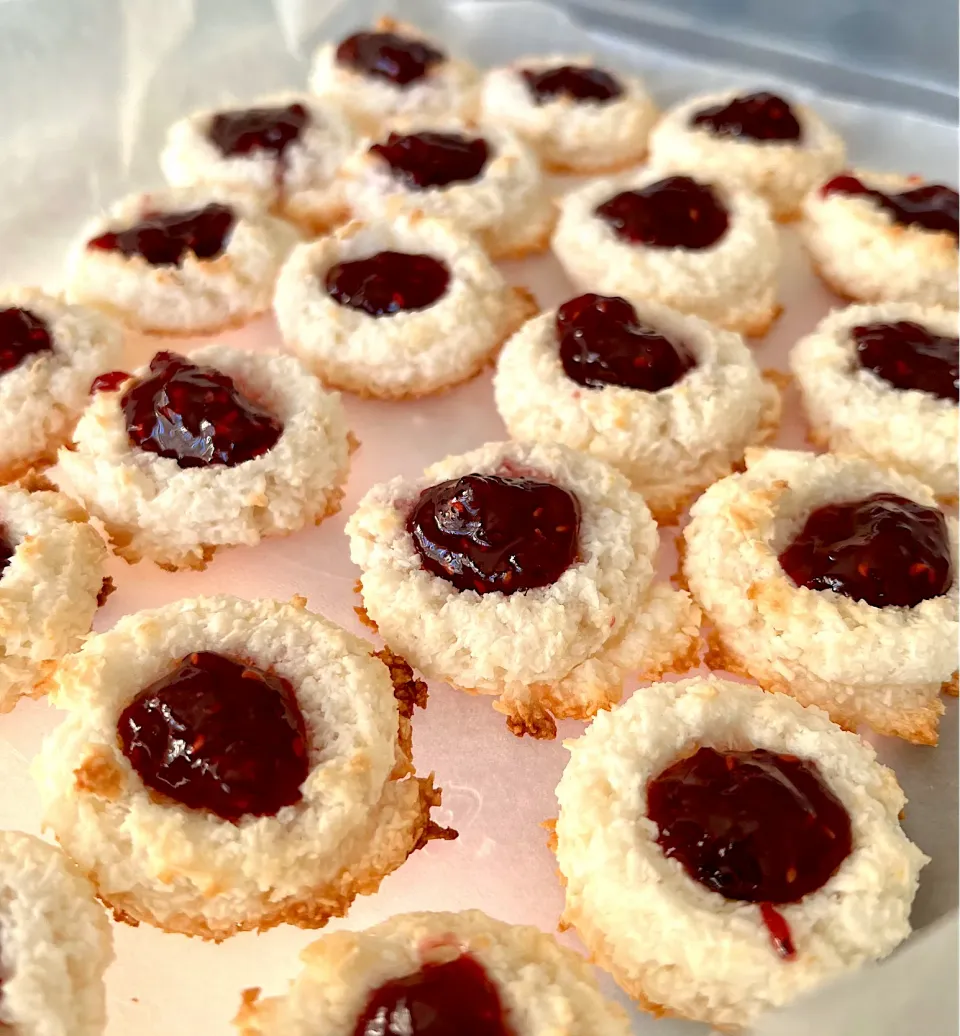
[165, 238]
[388, 282]
[421, 160]
[575, 82]
[7, 549]
[22, 334]
[457, 998]
[218, 735]
[270, 130]
[109, 381]
[196, 415]
[908, 356]
[488, 533]
[754, 826]
[758, 116]
[932, 207]
[602, 342]
[885, 550]
[676, 212]
[385, 55]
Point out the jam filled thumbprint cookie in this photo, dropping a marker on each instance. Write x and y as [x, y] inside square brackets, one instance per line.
[229, 765]
[224, 448]
[436, 974]
[695, 245]
[724, 850]
[834, 580]
[523, 571]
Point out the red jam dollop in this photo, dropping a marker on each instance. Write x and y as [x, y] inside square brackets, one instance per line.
[576, 82]
[196, 415]
[385, 55]
[602, 342]
[165, 238]
[757, 116]
[22, 334]
[388, 283]
[109, 381]
[885, 550]
[932, 206]
[489, 533]
[422, 160]
[908, 356]
[456, 998]
[676, 212]
[218, 735]
[269, 130]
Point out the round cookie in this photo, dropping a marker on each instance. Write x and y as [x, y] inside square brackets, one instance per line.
[484, 180]
[396, 309]
[833, 580]
[578, 117]
[286, 150]
[185, 456]
[49, 355]
[668, 399]
[294, 792]
[458, 966]
[182, 261]
[52, 579]
[524, 571]
[55, 943]
[778, 865]
[702, 248]
[390, 71]
[881, 237]
[778, 149]
[880, 382]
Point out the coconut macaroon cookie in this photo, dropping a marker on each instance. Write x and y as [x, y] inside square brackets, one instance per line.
[465, 972]
[49, 355]
[186, 260]
[286, 150]
[188, 455]
[484, 180]
[396, 309]
[52, 579]
[776, 148]
[882, 382]
[670, 400]
[878, 237]
[393, 70]
[523, 571]
[577, 116]
[834, 580]
[55, 943]
[700, 247]
[724, 850]
[229, 765]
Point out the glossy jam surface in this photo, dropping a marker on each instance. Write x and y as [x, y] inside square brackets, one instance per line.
[166, 238]
[573, 81]
[933, 206]
[759, 116]
[421, 160]
[676, 212]
[196, 415]
[22, 334]
[388, 282]
[909, 356]
[385, 55]
[258, 130]
[488, 533]
[110, 381]
[602, 342]
[6, 549]
[885, 550]
[753, 826]
[456, 998]
[218, 735]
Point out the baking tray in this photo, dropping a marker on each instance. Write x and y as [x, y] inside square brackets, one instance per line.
[93, 90]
